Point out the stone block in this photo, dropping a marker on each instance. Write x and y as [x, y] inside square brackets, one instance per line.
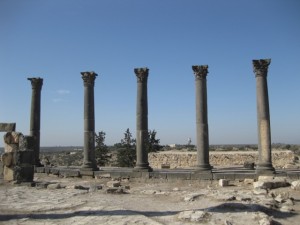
[178, 176]
[115, 191]
[88, 173]
[24, 173]
[39, 169]
[7, 159]
[8, 174]
[10, 147]
[54, 171]
[7, 127]
[69, 173]
[113, 183]
[158, 175]
[266, 178]
[263, 184]
[223, 182]
[101, 174]
[296, 185]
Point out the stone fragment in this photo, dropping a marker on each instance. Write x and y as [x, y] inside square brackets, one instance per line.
[176, 189]
[227, 222]
[248, 181]
[296, 185]
[54, 186]
[223, 182]
[94, 187]
[265, 221]
[286, 208]
[194, 216]
[290, 166]
[149, 192]
[115, 191]
[263, 184]
[191, 197]
[113, 183]
[260, 191]
[265, 178]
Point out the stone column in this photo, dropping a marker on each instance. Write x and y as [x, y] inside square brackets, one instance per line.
[35, 116]
[263, 116]
[142, 163]
[89, 162]
[201, 118]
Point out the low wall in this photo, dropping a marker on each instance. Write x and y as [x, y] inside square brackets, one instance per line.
[223, 159]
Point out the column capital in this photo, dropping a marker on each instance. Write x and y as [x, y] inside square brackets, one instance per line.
[200, 71]
[260, 67]
[141, 74]
[88, 78]
[36, 82]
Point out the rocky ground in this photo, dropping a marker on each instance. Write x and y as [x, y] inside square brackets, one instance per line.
[57, 200]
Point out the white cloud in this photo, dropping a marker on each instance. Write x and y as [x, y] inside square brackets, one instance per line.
[63, 92]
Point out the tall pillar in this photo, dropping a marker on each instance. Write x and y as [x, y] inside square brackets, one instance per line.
[142, 163]
[201, 118]
[89, 162]
[263, 116]
[35, 116]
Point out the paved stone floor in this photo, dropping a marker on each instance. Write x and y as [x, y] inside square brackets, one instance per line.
[88, 201]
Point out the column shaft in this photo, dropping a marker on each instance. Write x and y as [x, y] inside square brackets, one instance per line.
[89, 162]
[142, 163]
[35, 116]
[263, 116]
[201, 118]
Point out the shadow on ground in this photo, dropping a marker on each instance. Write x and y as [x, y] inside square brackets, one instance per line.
[222, 208]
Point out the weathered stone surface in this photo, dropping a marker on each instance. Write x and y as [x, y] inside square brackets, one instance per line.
[113, 183]
[223, 182]
[7, 159]
[115, 191]
[263, 184]
[192, 197]
[7, 127]
[54, 186]
[194, 216]
[8, 174]
[296, 185]
[248, 181]
[216, 158]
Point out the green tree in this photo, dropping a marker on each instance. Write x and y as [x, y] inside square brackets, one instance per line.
[152, 144]
[101, 150]
[126, 156]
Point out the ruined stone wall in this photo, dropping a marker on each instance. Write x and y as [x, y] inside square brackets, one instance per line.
[222, 159]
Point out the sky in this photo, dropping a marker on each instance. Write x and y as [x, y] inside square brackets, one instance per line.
[58, 39]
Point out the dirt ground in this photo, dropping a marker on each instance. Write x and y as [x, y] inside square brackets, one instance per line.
[90, 201]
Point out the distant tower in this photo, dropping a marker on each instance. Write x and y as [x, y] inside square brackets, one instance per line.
[189, 141]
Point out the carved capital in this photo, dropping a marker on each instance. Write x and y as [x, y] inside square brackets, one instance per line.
[260, 67]
[141, 74]
[88, 78]
[200, 71]
[36, 82]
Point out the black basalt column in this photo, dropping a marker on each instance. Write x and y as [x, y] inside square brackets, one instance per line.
[201, 118]
[35, 116]
[263, 116]
[142, 163]
[89, 162]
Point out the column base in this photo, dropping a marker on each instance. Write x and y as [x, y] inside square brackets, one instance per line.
[265, 168]
[203, 168]
[89, 167]
[142, 168]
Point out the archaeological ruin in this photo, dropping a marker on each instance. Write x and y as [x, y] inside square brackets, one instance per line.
[22, 152]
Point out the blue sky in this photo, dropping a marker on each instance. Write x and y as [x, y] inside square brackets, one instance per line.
[56, 40]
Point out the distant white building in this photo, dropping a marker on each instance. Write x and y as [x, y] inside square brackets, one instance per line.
[173, 145]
